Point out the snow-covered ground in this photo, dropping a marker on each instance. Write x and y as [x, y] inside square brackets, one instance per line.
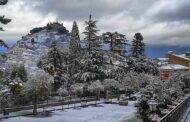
[188, 118]
[103, 113]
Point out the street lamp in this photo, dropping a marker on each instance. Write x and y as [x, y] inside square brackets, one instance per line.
[152, 105]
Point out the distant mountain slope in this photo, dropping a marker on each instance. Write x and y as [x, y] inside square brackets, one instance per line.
[32, 46]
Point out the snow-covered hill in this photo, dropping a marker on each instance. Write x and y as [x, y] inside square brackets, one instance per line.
[32, 46]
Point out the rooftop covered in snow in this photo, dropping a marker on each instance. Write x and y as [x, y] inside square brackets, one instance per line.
[173, 67]
[185, 56]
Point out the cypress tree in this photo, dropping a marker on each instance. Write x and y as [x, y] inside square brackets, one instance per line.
[75, 39]
[75, 50]
[138, 46]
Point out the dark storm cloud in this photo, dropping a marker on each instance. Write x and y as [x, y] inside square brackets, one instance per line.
[162, 22]
[180, 12]
[80, 9]
[178, 38]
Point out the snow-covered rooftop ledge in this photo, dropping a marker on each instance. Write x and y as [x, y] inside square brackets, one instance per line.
[173, 67]
[182, 56]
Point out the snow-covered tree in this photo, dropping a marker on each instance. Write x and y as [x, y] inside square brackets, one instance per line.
[55, 61]
[117, 42]
[142, 65]
[22, 73]
[75, 46]
[74, 51]
[138, 46]
[182, 79]
[3, 20]
[16, 86]
[152, 90]
[115, 71]
[130, 82]
[91, 39]
[55, 58]
[62, 92]
[10, 73]
[58, 64]
[91, 68]
[13, 72]
[96, 87]
[91, 62]
[38, 85]
[111, 84]
[77, 88]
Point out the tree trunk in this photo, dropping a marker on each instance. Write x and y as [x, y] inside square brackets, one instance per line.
[98, 94]
[107, 95]
[35, 105]
[111, 45]
[62, 103]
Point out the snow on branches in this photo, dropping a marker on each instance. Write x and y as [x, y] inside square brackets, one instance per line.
[95, 86]
[111, 84]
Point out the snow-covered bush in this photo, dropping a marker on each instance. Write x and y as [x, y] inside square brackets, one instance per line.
[95, 86]
[111, 84]
[77, 88]
[130, 81]
[182, 79]
[62, 92]
[39, 82]
[116, 72]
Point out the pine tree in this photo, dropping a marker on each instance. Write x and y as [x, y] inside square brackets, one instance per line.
[90, 32]
[117, 42]
[91, 62]
[91, 68]
[138, 46]
[5, 21]
[75, 40]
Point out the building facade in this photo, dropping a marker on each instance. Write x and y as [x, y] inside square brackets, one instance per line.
[183, 59]
[173, 63]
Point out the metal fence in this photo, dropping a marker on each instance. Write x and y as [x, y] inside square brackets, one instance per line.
[178, 112]
[51, 101]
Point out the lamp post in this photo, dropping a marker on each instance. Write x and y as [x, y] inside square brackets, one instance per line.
[152, 105]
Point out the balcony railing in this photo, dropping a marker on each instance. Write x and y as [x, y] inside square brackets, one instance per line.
[178, 112]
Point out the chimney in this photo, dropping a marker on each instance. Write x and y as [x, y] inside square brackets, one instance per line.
[169, 53]
[187, 54]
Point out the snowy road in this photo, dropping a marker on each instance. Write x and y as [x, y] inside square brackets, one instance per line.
[103, 113]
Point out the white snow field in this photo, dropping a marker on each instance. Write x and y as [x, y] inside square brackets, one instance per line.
[104, 113]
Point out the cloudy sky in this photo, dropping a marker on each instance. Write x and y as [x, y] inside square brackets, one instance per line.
[162, 22]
